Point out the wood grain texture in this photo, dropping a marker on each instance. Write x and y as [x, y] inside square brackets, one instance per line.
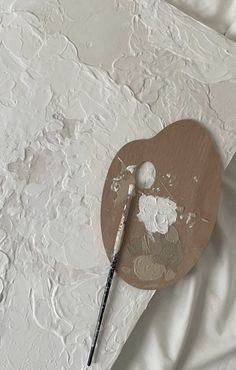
[188, 172]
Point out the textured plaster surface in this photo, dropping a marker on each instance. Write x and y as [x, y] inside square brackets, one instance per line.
[79, 80]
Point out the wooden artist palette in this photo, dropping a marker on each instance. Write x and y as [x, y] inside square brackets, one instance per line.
[187, 178]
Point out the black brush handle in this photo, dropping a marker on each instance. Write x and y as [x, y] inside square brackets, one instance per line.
[102, 307]
[116, 251]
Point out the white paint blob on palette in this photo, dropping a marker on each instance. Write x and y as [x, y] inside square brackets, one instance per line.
[157, 213]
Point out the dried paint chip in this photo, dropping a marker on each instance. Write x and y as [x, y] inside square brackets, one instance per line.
[190, 216]
[205, 220]
[131, 168]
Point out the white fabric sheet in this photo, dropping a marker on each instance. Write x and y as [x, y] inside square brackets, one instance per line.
[192, 326]
[218, 14]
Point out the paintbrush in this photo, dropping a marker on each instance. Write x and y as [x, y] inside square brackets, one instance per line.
[116, 251]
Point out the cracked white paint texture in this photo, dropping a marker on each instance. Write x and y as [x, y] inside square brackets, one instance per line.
[62, 119]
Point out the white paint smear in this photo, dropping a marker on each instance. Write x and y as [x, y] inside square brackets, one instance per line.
[146, 175]
[157, 213]
[131, 168]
